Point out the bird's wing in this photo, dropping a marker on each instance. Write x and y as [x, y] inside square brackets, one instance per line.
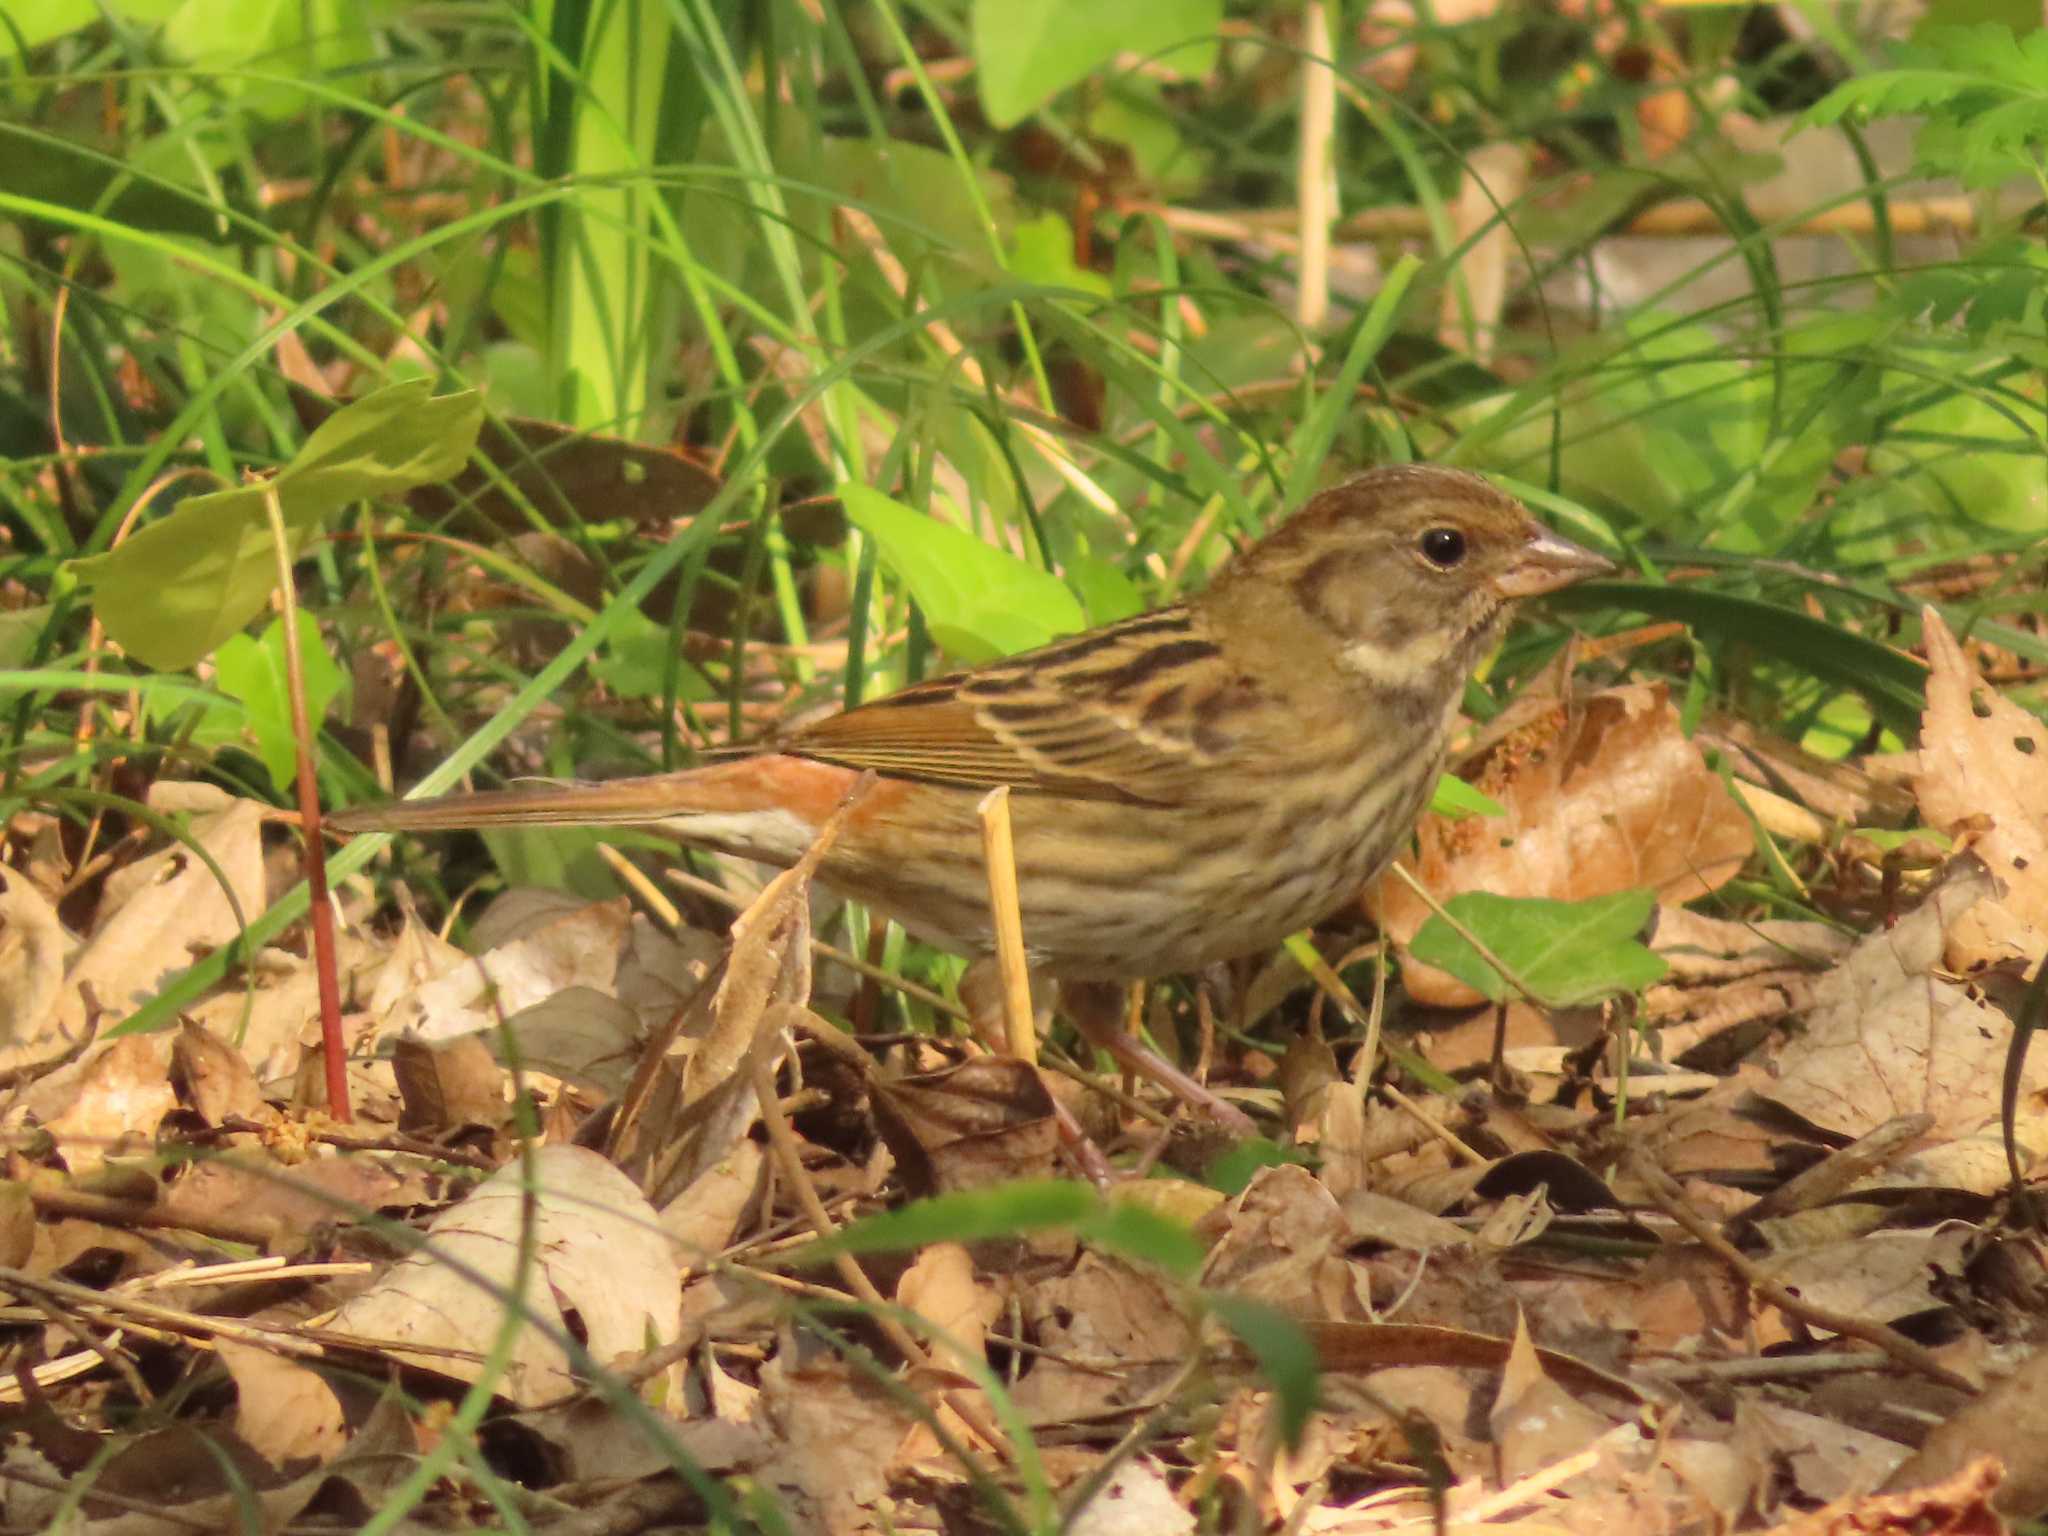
[1140, 710]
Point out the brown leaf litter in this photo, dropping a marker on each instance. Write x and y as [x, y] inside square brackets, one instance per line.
[1742, 1297]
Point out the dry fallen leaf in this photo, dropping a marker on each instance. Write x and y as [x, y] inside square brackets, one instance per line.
[125, 1092]
[32, 948]
[598, 1252]
[284, 1411]
[578, 948]
[1982, 756]
[1886, 1036]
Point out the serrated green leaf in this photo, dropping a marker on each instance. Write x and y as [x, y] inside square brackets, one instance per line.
[253, 672]
[1568, 952]
[979, 601]
[183, 584]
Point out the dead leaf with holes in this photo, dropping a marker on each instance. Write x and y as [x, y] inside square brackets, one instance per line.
[1983, 758]
[1604, 795]
[597, 1253]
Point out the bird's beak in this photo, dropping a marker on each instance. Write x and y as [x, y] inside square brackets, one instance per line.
[1548, 561]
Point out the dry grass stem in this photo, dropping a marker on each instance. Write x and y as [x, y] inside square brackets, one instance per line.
[999, 848]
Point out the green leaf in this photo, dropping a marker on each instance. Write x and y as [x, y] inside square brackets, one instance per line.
[635, 658]
[1042, 251]
[979, 601]
[1231, 1170]
[253, 671]
[1982, 91]
[180, 586]
[1028, 51]
[1286, 1356]
[1136, 1231]
[969, 1216]
[1568, 952]
[1008, 1210]
[327, 40]
[19, 632]
[1454, 798]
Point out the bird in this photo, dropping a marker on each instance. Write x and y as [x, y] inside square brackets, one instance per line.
[1188, 786]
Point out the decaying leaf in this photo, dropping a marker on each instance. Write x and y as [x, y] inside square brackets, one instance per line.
[597, 1251]
[984, 1121]
[32, 949]
[1887, 1036]
[286, 1412]
[125, 1091]
[576, 948]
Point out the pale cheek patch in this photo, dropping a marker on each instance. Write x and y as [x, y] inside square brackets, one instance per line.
[1399, 666]
[776, 837]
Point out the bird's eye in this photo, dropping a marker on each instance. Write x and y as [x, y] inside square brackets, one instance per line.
[1443, 547]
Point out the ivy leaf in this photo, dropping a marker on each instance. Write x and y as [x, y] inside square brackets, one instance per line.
[1568, 952]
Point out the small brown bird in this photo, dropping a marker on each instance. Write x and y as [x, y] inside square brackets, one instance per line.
[1189, 785]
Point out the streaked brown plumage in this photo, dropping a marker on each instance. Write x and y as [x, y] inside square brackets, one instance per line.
[1189, 785]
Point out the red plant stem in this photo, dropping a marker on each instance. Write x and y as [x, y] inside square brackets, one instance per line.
[320, 912]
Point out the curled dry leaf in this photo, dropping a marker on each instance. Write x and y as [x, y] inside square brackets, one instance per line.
[1605, 796]
[217, 1083]
[447, 1085]
[1982, 756]
[598, 1253]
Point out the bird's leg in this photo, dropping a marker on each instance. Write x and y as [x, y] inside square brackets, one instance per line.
[1097, 1009]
